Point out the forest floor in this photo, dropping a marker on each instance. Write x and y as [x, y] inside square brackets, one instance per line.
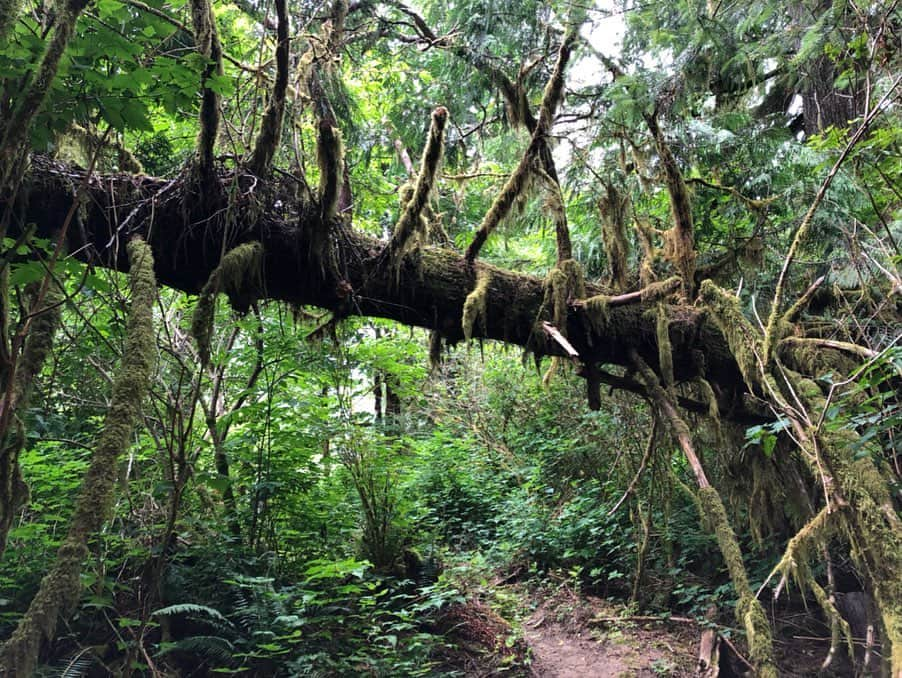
[567, 639]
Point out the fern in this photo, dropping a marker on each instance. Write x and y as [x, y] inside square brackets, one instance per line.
[76, 666]
[191, 609]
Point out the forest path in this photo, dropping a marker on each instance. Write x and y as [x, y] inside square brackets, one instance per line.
[566, 643]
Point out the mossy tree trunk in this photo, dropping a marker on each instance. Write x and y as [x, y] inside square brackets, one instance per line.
[61, 587]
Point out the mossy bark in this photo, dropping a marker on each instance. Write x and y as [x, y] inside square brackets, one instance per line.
[61, 587]
[206, 39]
[749, 611]
[410, 222]
[713, 514]
[868, 517]
[271, 128]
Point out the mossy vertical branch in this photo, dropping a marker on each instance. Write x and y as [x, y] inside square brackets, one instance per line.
[271, 128]
[432, 154]
[206, 39]
[14, 132]
[518, 180]
[713, 514]
[330, 158]
[61, 587]
[614, 210]
[679, 240]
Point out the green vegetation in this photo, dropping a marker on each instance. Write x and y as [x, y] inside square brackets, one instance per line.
[692, 231]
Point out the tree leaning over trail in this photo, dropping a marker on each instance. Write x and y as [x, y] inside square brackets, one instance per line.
[60, 588]
[259, 234]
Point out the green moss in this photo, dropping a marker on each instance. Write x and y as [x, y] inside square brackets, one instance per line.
[665, 350]
[744, 341]
[563, 282]
[475, 304]
[240, 277]
[411, 222]
[330, 159]
[748, 610]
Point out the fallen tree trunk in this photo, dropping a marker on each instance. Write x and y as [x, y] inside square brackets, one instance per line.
[428, 289]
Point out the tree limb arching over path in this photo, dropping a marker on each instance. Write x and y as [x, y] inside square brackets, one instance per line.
[312, 255]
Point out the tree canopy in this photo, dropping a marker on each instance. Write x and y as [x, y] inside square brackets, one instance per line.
[695, 207]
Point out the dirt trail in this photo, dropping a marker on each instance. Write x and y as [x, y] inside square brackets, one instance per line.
[565, 643]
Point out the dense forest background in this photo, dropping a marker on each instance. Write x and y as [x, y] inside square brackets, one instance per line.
[529, 304]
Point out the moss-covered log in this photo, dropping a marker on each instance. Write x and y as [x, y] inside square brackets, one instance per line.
[430, 289]
[61, 587]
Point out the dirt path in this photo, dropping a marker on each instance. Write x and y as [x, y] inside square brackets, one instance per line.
[565, 643]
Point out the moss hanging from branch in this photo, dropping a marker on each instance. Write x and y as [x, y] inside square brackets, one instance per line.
[45, 320]
[679, 240]
[563, 283]
[206, 39]
[597, 306]
[240, 277]
[60, 589]
[475, 304]
[744, 341]
[646, 239]
[14, 131]
[665, 349]
[519, 179]
[271, 127]
[409, 222]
